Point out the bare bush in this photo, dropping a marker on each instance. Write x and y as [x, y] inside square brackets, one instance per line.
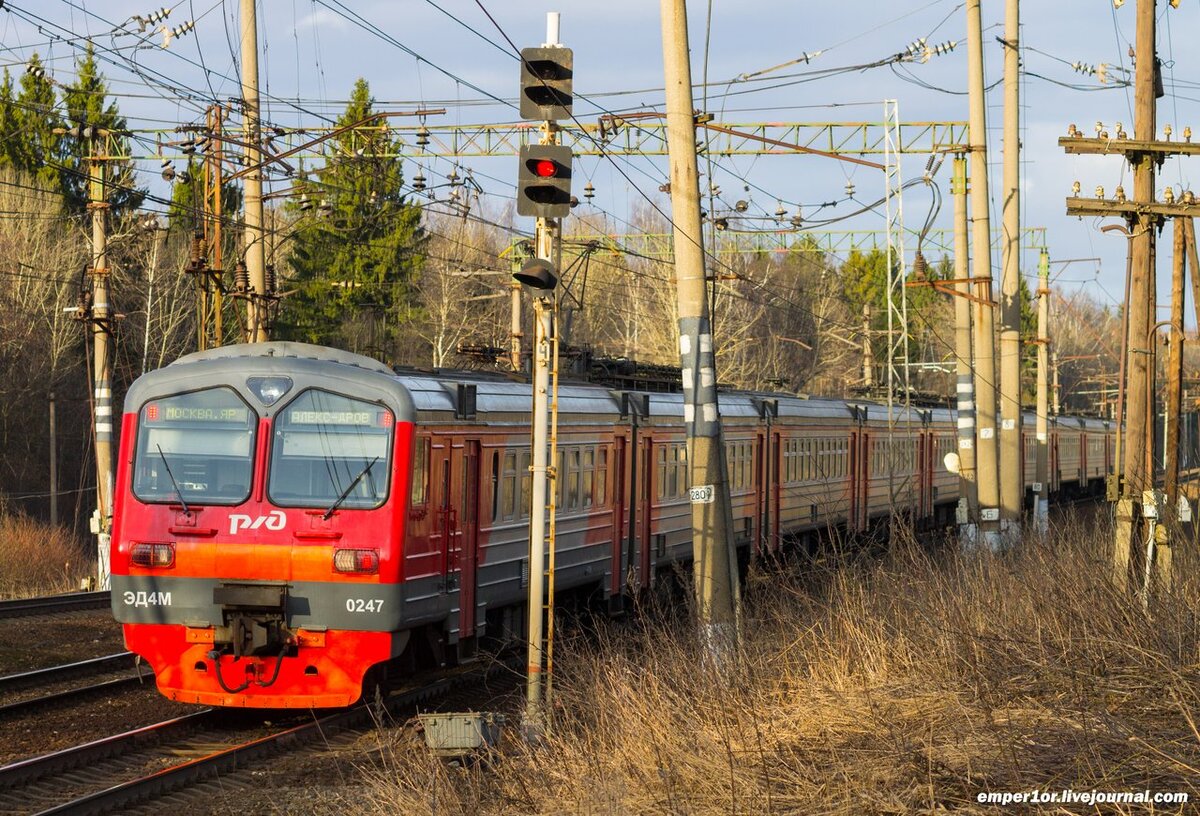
[910, 684]
[37, 559]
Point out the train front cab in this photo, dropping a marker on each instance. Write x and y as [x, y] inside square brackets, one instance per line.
[258, 525]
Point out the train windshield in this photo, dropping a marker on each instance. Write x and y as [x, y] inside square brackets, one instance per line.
[330, 450]
[195, 448]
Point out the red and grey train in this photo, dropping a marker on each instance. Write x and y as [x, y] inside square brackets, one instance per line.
[289, 517]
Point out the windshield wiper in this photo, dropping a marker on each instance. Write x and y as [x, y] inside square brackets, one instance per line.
[178, 492]
[338, 501]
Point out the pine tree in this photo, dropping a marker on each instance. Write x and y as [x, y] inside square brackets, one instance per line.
[9, 130]
[86, 106]
[37, 149]
[357, 243]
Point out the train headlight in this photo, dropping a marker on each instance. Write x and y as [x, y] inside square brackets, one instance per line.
[358, 561]
[269, 389]
[153, 555]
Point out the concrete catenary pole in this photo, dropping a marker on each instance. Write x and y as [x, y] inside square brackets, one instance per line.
[983, 309]
[1012, 474]
[535, 650]
[256, 313]
[1041, 509]
[101, 368]
[715, 560]
[1127, 533]
[868, 359]
[1174, 402]
[967, 487]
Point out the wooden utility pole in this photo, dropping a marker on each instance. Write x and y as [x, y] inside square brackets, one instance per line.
[715, 559]
[53, 464]
[1012, 481]
[101, 324]
[256, 316]
[1041, 508]
[984, 317]
[967, 487]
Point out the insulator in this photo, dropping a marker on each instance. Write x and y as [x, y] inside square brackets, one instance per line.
[1099, 127]
[155, 17]
[38, 71]
[325, 206]
[453, 178]
[422, 136]
[920, 267]
[1073, 131]
[781, 212]
[1075, 188]
[1121, 133]
[185, 177]
[1119, 194]
[270, 279]
[1167, 132]
[418, 182]
[168, 170]
[1187, 134]
[1099, 191]
[741, 206]
[849, 189]
[305, 203]
[188, 148]
[1189, 198]
[721, 223]
[1169, 195]
[241, 278]
[573, 203]
[797, 221]
[589, 192]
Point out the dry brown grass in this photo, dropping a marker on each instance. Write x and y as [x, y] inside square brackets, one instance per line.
[896, 685]
[37, 559]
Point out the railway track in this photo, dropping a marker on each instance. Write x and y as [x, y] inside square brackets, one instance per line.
[54, 604]
[13, 684]
[113, 774]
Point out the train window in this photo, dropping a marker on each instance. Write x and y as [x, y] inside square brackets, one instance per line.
[602, 477]
[673, 473]
[573, 474]
[331, 449]
[419, 492]
[526, 483]
[198, 447]
[508, 504]
[589, 474]
[495, 486]
[662, 472]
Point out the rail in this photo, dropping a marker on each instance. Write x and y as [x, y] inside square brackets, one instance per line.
[55, 604]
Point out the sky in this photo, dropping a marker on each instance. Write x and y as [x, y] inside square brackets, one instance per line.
[457, 54]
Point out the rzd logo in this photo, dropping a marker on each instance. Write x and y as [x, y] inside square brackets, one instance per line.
[275, 520]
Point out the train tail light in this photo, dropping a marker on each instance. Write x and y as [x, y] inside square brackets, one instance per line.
[153, 555]
[364, 562]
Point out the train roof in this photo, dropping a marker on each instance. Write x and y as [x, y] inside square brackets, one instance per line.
[437, 395]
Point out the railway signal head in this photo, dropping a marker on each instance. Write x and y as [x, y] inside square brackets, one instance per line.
[537, 273]
[544, 181]
[546, 78]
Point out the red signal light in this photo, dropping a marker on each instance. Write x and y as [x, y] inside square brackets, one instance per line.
[545, 168]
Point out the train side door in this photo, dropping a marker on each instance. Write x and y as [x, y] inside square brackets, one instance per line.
[645, 512]
[464, 558]
[445, 535]
[620, 524]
